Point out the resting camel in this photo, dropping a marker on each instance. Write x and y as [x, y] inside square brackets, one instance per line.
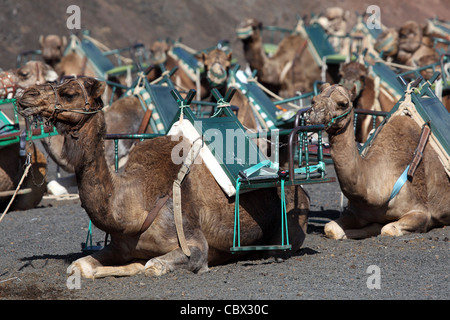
[33, 72]
[367, 94]
[159, 51]
[421, 204]
[119, 204]
[407, 45]
[11, 163]
[53, 47]
[291, 68]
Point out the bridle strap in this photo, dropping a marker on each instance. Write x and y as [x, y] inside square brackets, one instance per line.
[60, 108]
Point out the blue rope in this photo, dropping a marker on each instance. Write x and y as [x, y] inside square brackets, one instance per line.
[236, 215]
[284, 224]
[399, 183]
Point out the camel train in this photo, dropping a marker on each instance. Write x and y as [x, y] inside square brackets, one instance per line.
[136, 206]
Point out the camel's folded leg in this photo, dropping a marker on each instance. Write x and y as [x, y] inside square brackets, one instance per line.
[350, 226]
[176, 259]
[413, 221]
[105, 263]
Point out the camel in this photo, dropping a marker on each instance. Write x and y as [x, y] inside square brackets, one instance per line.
[407, 45]
[11, 162]
[119, 204]
[217, 64]
[31, 73]
[292, 68]
[53, 47]
[160, 55]
[367, 182]
[368, 95]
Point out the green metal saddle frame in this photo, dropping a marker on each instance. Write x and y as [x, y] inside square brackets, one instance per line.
[248, 172]
[10, 131]
[428, 106]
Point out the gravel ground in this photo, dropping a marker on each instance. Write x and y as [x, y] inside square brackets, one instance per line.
[38, 245]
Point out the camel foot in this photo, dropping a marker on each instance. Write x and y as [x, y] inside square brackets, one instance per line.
[334, 231]
[391, 230]
[155, 267]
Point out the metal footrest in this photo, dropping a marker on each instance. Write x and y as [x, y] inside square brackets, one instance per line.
[260, 248]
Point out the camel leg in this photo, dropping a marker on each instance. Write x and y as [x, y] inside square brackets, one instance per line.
[350, 226]
[104, 263]
[176, 259]
[413, 221]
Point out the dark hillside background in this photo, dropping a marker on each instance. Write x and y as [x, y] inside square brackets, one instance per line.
[200, 23]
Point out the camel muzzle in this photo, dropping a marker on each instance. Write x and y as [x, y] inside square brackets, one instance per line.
[27, 101]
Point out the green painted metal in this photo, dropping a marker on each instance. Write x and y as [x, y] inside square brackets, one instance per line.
[243, 172]
[12, 135]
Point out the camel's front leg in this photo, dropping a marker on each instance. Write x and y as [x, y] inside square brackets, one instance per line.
[413, 221]
[350, 226]
[104, 263]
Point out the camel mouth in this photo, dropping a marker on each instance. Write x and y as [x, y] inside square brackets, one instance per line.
[26, 102]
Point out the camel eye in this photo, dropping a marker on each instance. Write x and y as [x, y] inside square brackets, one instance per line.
[69, 96]
[24, 74]
[343, 104]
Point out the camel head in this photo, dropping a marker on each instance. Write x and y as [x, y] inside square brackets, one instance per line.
[52, 47]
[353, 77]
[158, 51]
[410, 36]
[32, 73]
[331, 108]
[216, 63]
[35, 73]
[67, 105]
[248, 28]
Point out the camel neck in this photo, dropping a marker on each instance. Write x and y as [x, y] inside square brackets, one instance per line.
[86, 153]
[346, 158]
[254, 52]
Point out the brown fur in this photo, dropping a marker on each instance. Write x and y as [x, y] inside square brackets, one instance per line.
[159, 55]
[118, 203]
[11, 171]
[353, 72]
[421, 204]
[300, 76]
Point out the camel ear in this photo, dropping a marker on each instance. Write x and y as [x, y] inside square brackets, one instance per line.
[50, 75]
[203, 57]
[41, 40]
[95, 87]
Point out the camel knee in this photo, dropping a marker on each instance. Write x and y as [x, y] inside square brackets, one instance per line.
[414, 221]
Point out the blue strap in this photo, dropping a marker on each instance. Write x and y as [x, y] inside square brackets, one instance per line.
[399, 183]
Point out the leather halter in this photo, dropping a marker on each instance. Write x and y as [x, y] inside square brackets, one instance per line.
[347, 111]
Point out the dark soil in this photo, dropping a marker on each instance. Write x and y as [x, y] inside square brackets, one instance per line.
[37, 246]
